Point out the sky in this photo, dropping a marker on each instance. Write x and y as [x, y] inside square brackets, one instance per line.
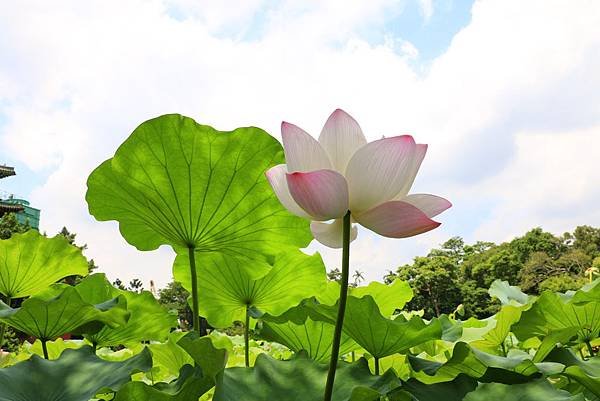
[505, 92]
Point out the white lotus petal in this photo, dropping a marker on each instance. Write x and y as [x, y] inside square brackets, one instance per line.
[378, 171]
[431, 205]
[341, 137]
[330, 234]
[396, 219]
[418, 156]
[302, 151]
[278, 180]
[323, 194]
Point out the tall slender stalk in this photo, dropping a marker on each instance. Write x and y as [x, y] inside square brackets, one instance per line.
[246, 338]
[589, 347]
[44, 348]
[376, 360]
[337, 334]
[195, 312]
[3, 325]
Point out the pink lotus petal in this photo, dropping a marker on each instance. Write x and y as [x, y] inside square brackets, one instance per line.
[330, 234]
[419, 155]
[341, 137]
[396, 219]
[379, 170]
[277, 179]
[302, 151]
[431, 205]
[323, 194]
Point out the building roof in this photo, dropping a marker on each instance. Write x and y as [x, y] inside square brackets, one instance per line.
[6, 171]
[8, 207]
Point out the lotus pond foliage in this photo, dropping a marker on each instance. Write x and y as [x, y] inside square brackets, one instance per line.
[237, 208]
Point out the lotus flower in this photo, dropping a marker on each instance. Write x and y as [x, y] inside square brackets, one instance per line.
[341, 172]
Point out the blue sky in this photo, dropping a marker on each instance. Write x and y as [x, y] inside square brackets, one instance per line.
[505, 92]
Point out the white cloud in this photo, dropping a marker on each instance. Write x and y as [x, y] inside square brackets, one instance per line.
[75, 81]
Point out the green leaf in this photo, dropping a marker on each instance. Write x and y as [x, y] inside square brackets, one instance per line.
[168, 357]
[508, 294]
[552, 313]
[300, 379]
[379, 336]
[296, 330]
[228, 285]
[516, 368]
[495, 337]
[539, 390]
[148, 320]
[55, 348]
[209, 353]
[30, 262]
[190, 385]
[48, 317]
[76, 376]
[587, 373]
[176, 182]
[388, 297]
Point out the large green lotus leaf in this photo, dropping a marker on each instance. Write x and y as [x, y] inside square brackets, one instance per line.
[168, 357]
[228, 286]
[296, 330]
[508, 294]
[46, 316]
[30, 262]
[148, 321]
[208, 352]
[388, 297]
[587, 373]
[455, 390]
[300, 379]
[589, 293]
[190, 385]
[552, 313]
[378, 335]
[539, 390]
[176, 182]
[495, 337]
[516, 368]
[76, 376]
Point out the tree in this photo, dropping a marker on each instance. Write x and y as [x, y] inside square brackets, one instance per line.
[9, 225]
[174, 297]
[435, 284]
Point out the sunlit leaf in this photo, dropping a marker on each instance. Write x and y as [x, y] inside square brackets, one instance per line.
[76, 376]
[296, 330]
[49, 317]
[176, 182]
[228, 285]
[552, 313]
[508, 294]
[378, 335]
[148, 319]
[516, 368]
[30, 262]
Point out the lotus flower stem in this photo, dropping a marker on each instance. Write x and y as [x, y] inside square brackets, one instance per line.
[376, 361]
[590, 348]
[246, 340]
[3, 325]
[44, 348]
[195, 311]
[337, 334]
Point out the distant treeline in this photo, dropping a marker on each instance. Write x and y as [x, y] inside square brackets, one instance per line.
[460, 274]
